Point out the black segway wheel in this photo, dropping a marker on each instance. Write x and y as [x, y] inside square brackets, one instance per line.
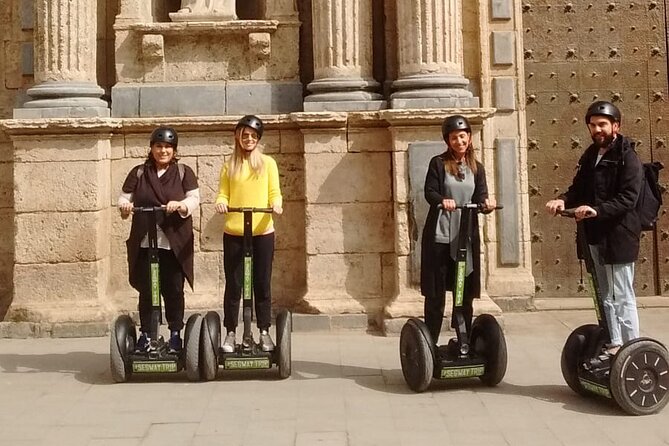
[573, 355]
[121, 343]
[640, 377]
[192, 338]
[488, 341]
[416, 355]
[210, 344]
[284, 329]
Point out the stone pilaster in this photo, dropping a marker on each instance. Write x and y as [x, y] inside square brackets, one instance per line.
[65, 62]
[430, 56]
[342, 40]
[61, 238]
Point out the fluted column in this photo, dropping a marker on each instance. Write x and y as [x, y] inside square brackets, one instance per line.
[342, 39]
[430, 56]
[65, 62]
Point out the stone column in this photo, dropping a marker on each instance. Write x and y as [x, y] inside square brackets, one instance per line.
[430, 56]
[65, 62]
[342, 39]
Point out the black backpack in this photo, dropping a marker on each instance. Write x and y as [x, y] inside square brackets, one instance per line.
[650, 196]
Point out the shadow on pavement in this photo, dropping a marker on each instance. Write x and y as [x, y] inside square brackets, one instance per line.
[86, 367]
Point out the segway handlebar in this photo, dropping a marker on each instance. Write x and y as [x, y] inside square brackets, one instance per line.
[149, 208]
[244, 209]
[570, 213]
[477, 206]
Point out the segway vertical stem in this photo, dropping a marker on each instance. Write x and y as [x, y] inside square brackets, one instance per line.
[156, 310]
[247, 292]
[460, 274]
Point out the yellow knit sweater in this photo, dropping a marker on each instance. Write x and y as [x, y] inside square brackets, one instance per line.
[248, 190]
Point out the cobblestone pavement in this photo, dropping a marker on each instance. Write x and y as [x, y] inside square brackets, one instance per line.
[346, 389]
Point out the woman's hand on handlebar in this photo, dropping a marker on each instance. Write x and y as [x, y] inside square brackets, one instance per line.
[277, 209]
[582, 212]
[489, 205]
[447, 204]
[125, 209]
[173, 206]
[221, 208]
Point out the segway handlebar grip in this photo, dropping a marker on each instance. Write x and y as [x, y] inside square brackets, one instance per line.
[245, 209]
[148, 208]
[477, 206]
[571, 213]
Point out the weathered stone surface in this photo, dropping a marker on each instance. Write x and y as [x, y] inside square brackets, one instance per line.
[61, 237]
[324, 141]
[72, 186]
[270, 144]
[119, 172]
[288, 277]
[503, 49]
[504, 93]
[209, 174]
[369, 140]
[212, 224]
[349, 228]
[263, 97]
[208, 268]
[348, 178]
[61, 148]
[292, 141]
[290, 226]
[71, 284]
[6, 151]
[182, 100]
[6, 186]
[291, 176]
[358, 275]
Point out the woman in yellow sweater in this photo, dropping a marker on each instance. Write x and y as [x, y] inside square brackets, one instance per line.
[248, 179]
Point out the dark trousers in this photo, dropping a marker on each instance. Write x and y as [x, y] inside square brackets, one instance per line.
[445, 280]
[171, 288]
[233, 264]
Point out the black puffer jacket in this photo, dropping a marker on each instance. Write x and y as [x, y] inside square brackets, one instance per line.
[611, 188]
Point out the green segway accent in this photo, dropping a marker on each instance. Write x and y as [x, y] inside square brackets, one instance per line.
[473, 371]
[154, 367]
[155, 284]
[593, 293]
[247, 363]
[460, 283]
[595, 388]
[248, 279]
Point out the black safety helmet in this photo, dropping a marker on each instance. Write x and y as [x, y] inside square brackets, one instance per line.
[165, 134]
[253, 122]
[603, 108]
[452, 123]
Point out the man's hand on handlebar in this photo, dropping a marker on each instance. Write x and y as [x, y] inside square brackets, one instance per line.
[555, 206]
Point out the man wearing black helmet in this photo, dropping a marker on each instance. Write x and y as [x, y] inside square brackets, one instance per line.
[453, 178]
[604, 192]
[160, 181]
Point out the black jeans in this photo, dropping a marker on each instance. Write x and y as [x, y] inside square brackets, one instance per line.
[233, 264]
[445, 280]
[171, 288]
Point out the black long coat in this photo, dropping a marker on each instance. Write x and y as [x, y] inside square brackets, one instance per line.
[434, 194]
[611, 188]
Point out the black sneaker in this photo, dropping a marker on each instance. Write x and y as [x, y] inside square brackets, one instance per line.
[175, 342]
[143, 342]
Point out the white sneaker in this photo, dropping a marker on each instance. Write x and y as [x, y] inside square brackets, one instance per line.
[229, 343]
[266, 343]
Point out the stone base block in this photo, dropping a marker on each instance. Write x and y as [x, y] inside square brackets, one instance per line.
[205, 98]
[446, 102]
[317, 106]
[61, 112]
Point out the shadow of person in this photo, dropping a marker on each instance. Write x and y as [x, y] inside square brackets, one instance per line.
[86, 367]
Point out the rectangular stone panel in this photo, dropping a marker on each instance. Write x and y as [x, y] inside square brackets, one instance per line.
[369, 140]
[350, 228]
[61, 148]
[348, 177]
[420, 154]
[504, 90]
[27, 57]
[125, 100]
[182, 99]
[27, 13]
[325, 141]
[49, 237]
[263, 97]
[61, 186]
[507, 189]
[503, 47]
[501, 9]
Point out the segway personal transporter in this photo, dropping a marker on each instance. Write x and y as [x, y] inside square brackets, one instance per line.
[124, 360]
[636, 377]
[248, 355]
[481, 353]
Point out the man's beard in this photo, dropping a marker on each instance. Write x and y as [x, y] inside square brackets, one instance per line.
[603, 142]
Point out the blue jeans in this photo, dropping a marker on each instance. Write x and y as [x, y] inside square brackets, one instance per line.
[619, 299]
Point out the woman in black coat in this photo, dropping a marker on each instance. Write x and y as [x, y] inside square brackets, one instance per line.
[453, 178]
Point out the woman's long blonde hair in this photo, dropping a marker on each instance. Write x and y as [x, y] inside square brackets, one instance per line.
[451, 165]
[256, 163]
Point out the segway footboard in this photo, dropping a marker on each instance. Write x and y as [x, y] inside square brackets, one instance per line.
[460, 367]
